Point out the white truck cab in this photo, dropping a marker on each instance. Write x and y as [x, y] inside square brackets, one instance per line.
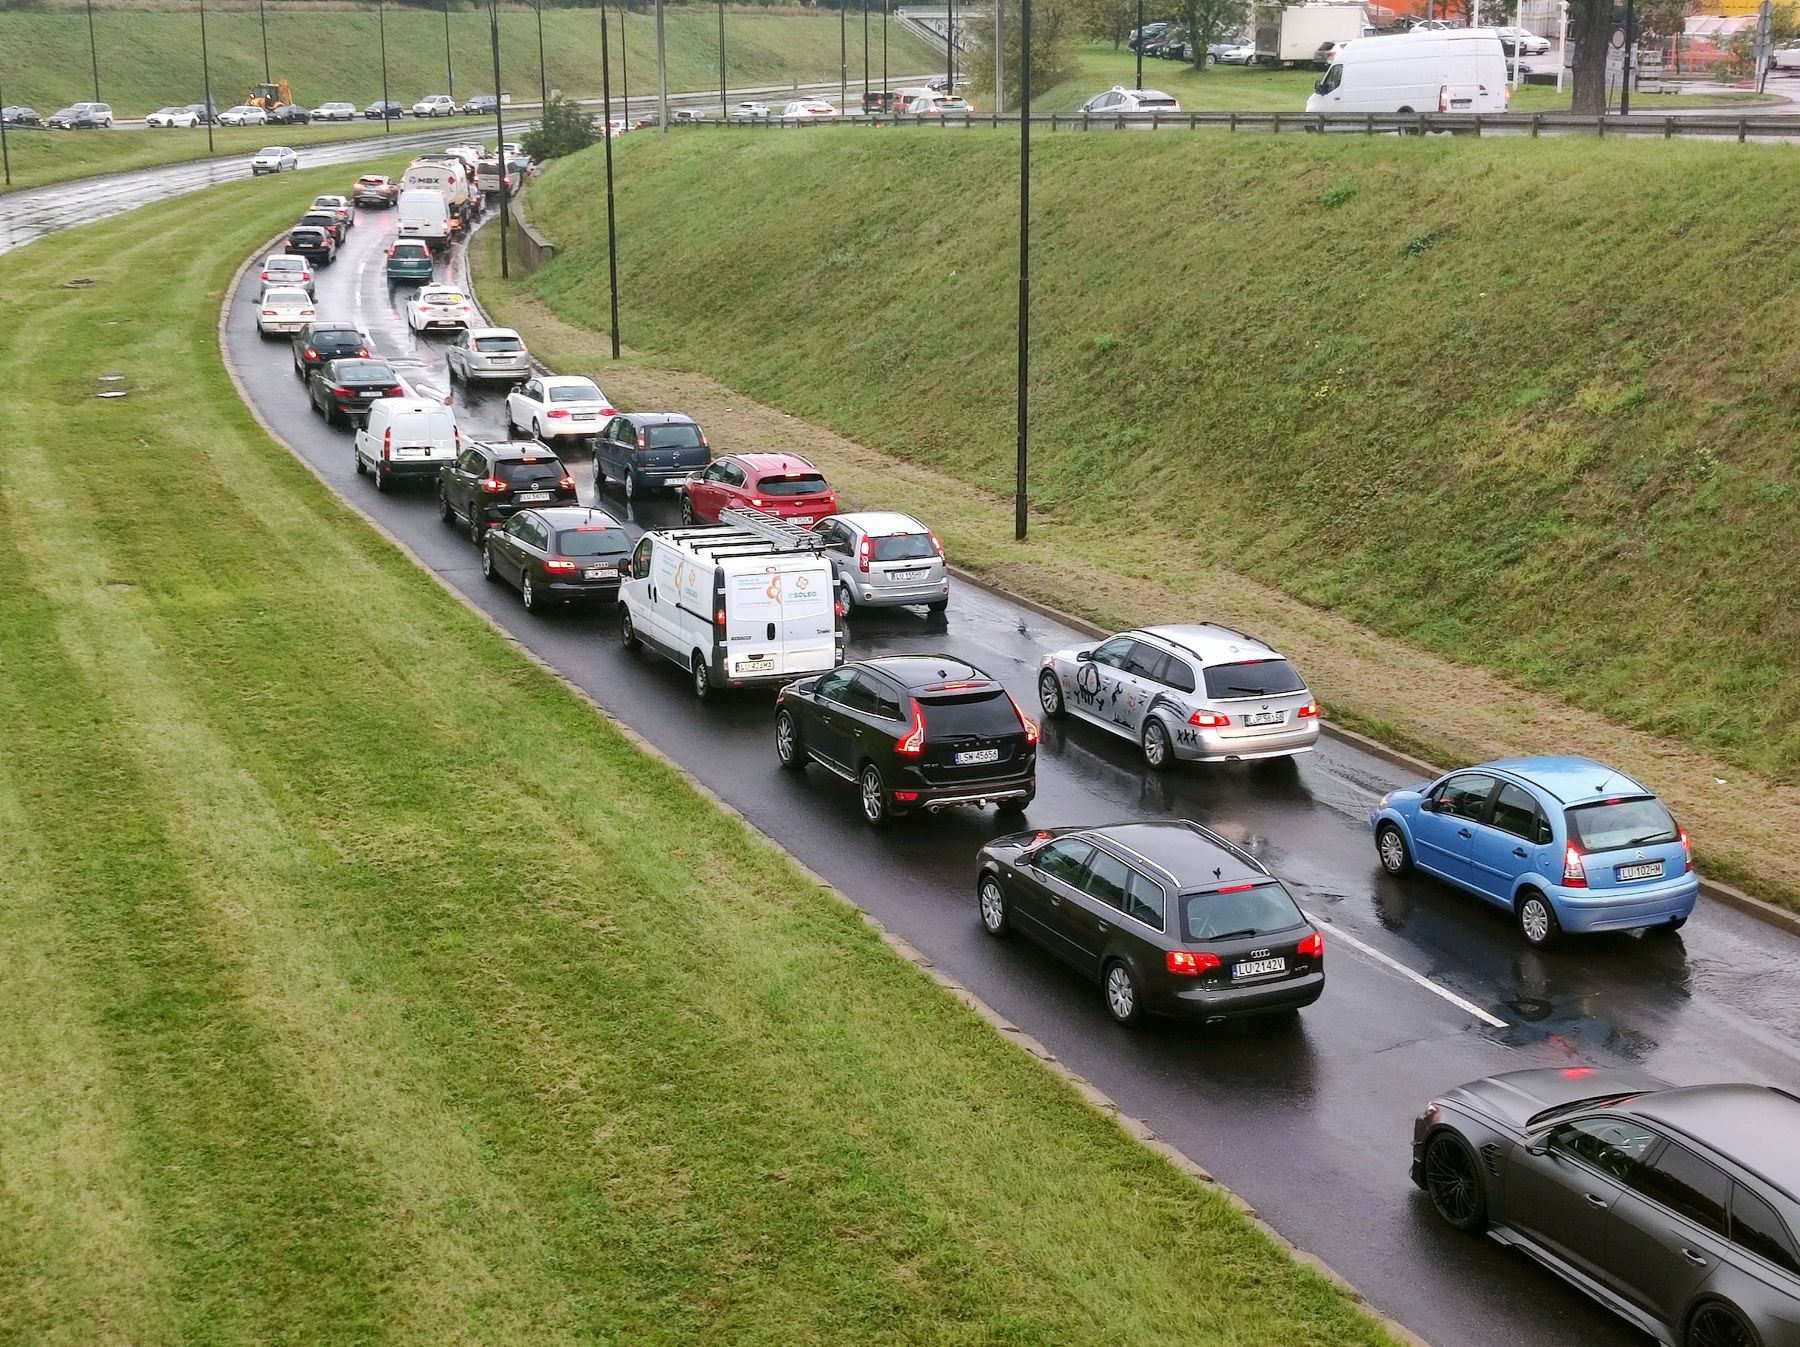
[1461, 70]
[741, 603]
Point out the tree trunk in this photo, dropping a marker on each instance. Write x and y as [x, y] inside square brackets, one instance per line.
[1590, 30]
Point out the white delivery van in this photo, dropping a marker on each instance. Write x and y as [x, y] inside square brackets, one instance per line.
[748, 601]
[1459, 70]
[451, 180]
[423, 215]
[1292, 34]
[406, 439]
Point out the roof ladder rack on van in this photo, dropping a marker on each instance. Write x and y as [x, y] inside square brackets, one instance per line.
[787, 536]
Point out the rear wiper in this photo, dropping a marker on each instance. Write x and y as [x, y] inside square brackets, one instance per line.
[1652, 837]
[1233, 935]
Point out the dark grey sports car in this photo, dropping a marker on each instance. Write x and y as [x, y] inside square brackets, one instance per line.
[1674, 1207]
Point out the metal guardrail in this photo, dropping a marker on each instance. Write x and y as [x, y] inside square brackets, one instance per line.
[1667, 126]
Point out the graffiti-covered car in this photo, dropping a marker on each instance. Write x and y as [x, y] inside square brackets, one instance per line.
[1201, 693]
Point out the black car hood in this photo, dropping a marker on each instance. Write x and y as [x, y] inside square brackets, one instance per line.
[1512, 1098]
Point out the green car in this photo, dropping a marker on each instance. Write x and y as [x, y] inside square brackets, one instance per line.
[408, 261]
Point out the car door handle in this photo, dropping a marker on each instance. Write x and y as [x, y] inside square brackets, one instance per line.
[1464, 832]
[1595, 1200]
[1055, 901]
[1520, 852]
[1697, 1259]
[1102, 927]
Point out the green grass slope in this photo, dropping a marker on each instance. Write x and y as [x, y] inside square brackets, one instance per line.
[1529, 404]
[363, 987]
[149, 58]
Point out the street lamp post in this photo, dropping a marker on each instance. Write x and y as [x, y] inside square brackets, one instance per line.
[884, 74]
[950, 48]
[612, 252]
[93, 50]
[5, 153]
[500, 129]
[1019, 510]
[1630, 51]
[662, 74]
[843, 53]
[206, 80]
[543, 74]
[1138, 38]
[449, 64]
[999, 55]
[865, 10]
[387, 112]
[722, 103]
[262, 17]
[624, 65]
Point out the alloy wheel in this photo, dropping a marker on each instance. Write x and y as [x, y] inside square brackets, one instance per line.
[993, 907]
[477, 530]
[1718, 1325]
[1121, 994]
[630, 485]
[1050, 694]
[1392, 848]
[1451, 1181]
[787, 745]
[874, 796]
[1535, 919]
[526, 596]
[1156, 745]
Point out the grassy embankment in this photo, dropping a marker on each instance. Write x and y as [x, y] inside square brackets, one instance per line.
[362, 986]
[1236, 89]
[1489, 400]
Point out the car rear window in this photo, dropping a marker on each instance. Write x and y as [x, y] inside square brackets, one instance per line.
[366, 371]
[904, 547]
[540, 472]
[1256, 910]
[674, 435]
[575, 393]
[334, 338]
[411, 250]
[1254, 678]
[1611, 824]
[368, 180]
[285, 263]
[498, 344]
[792, 484]
[443, 297]
[306, 235]
[989, 712]
[1158, 103]
[593, 540]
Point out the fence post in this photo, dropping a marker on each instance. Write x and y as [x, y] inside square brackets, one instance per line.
[1534, 126]
[1668, 128]
[1600, 126]
[1741, 130]
[1478, 126]
[1233, 121]
[1277, 126]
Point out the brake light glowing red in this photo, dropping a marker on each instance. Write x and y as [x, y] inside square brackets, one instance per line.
[906, 796]
[719, 618]
[1026, 723]
[1311, 947]
[1578, 1072]
[1208, 720]
[311, 354]
[1186, 963]
[1574, 871]
[912, 745]
[567, 483]
[396, 392]
[557, 414]
[560, 567]
[1234, 888]
[491, 485]
[864, 550]
[387, 444]
[1308, 711]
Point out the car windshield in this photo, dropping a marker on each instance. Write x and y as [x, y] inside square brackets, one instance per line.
[793, 484]
[271, 151]
[673, 435]
[1611, 824]
[904, 547]
[1253, 678]
[498, 344]
[593, 540]
[1256, 909]
[365, 372]
[980, 713]
[537, 472]
[575, 393]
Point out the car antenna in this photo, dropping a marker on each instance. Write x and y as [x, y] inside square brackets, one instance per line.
[1602, 786]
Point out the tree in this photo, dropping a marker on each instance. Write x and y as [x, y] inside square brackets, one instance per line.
[563, 129]
[1107, 20]
[1210, 20]
[1054, 26]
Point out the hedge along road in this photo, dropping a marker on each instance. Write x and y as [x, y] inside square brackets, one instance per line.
[1308, 1120]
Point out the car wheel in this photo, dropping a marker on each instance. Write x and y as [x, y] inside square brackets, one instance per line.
[356, 460]
[1537, 919]
[1159, 753]
[1391, 847]
[703, 684]
[488, 572]
[1674, 923]
[1453, 1183]
[992, 899]
[1716, 1324]
[846, 599]
[787, 740]
[1124, 1001]
[381, 480]
[687, 510]
[527, 595]
[629, 484]
[1050, 695]
[873, 792]
[537, 429]
[938, 607]
[477, 527]
[446, 511]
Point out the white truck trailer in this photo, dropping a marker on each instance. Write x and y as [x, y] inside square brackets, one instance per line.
[1292, 34]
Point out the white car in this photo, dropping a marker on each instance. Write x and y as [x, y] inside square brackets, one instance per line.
[615, 128]
[438, 306]
[286, 271]
[488, 353]
[1528, 42]
[435, 105]
[558, 406]
[181, 118]
[273, 159]
[748, 112]
[284, 308]
[243, 115]
[334, 112]
[808, 109]
[1119, 99]
[939, 105]
[1242, 54]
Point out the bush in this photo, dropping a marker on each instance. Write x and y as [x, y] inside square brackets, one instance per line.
[564, 129]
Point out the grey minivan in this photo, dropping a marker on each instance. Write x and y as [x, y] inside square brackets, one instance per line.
[647, 451]
[883, 559]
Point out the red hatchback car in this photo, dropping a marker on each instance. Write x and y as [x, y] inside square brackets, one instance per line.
[782, 484]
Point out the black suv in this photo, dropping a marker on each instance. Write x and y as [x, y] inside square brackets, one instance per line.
[318, 246]
[645, 451]
[316, 343]
[914, 732]
[487, 484]
[1169, 918]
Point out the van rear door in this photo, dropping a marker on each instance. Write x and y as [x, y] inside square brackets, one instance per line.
[780, 618]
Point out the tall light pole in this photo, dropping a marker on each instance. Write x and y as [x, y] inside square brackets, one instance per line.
[999, 54]
[449, 65]
[722, 103]
[1019, 507]
[884, 74]
[543, 74]
[662, 74]
[262, 17]
[387, 113]
[950, 50]
[612, 251]
[624, 65]
[93, 50]
[5, 154]
[843, 53]
[1630, 51]
[206, 79]
[500, 129]
[1138, 40]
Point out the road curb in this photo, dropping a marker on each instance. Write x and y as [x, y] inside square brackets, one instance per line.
[1135, 1128]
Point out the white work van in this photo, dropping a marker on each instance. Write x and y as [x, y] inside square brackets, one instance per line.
[1293, 34]
[423, 215]
[406, 439]
[1461, 70]
[745, 602]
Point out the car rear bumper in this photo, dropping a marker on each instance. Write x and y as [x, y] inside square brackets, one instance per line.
[483, 370]
[899, 596]
[581, 591]
[411, 469]
[1586, 911]
[910, 795]
[1224, 1003]
[288, 326]
[417, 274]
[426, 324]
[1195, 745]
[581, 430]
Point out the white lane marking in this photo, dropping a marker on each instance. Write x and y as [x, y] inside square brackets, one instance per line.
[1437, 989]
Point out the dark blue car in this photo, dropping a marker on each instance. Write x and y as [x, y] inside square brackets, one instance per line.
[1565, 844]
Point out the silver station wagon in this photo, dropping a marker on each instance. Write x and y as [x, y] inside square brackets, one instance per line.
[1201, 693]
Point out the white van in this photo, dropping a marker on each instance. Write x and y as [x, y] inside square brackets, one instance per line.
[1461, 70]
[406, 439]
[736, 604]
[423, 215]
[452, 180]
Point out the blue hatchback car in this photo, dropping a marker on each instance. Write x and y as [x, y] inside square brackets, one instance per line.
[1565, 844]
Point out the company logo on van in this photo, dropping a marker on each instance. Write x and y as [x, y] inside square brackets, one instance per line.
[805, 587]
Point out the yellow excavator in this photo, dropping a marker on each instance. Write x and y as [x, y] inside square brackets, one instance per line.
[270, 96]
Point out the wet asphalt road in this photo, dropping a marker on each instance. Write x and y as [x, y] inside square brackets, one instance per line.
[1309, 1121]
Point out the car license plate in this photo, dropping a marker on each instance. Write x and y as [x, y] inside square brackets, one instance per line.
[600, 573]
[757, 665]
[1648, 870]
[800, 519]
[1265, 718]
[976, 755]
[584, 416]
[533, 495]
[1251, 968]
[907, 575]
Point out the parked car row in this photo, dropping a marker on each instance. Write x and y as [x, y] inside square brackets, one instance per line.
[88, 116]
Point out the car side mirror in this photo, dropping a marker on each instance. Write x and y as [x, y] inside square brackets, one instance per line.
[1319, 86]
[1084, 656]
[1538, 1148]
[1428, 806]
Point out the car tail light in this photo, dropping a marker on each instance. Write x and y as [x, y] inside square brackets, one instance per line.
[1574, 870]
[756, 501]
[567, 483]
[1208, 720]
[607, 411]
[1308, 712]
[912, 745]
[396, 392]
[1443, 98]
[557, 415]
[306, 313]
[1687, 853]
[311, 354]
[704, 442]
[1312, 947]
[387, 444]
[1026, 723]
[719, 618]
[268, 313]
[937, 546]
[343, 392]
[837, 608]
[864, 549]
[491, 485]
[362, 352]
[906, 796]
[643, 441]
[265, 275]
[1234, 888]
[560, 567]
[1185, 963]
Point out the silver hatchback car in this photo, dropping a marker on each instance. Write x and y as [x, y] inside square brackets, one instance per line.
[1201, 693]
[882, 559]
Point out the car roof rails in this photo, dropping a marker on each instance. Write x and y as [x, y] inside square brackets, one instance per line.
[787, 536]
